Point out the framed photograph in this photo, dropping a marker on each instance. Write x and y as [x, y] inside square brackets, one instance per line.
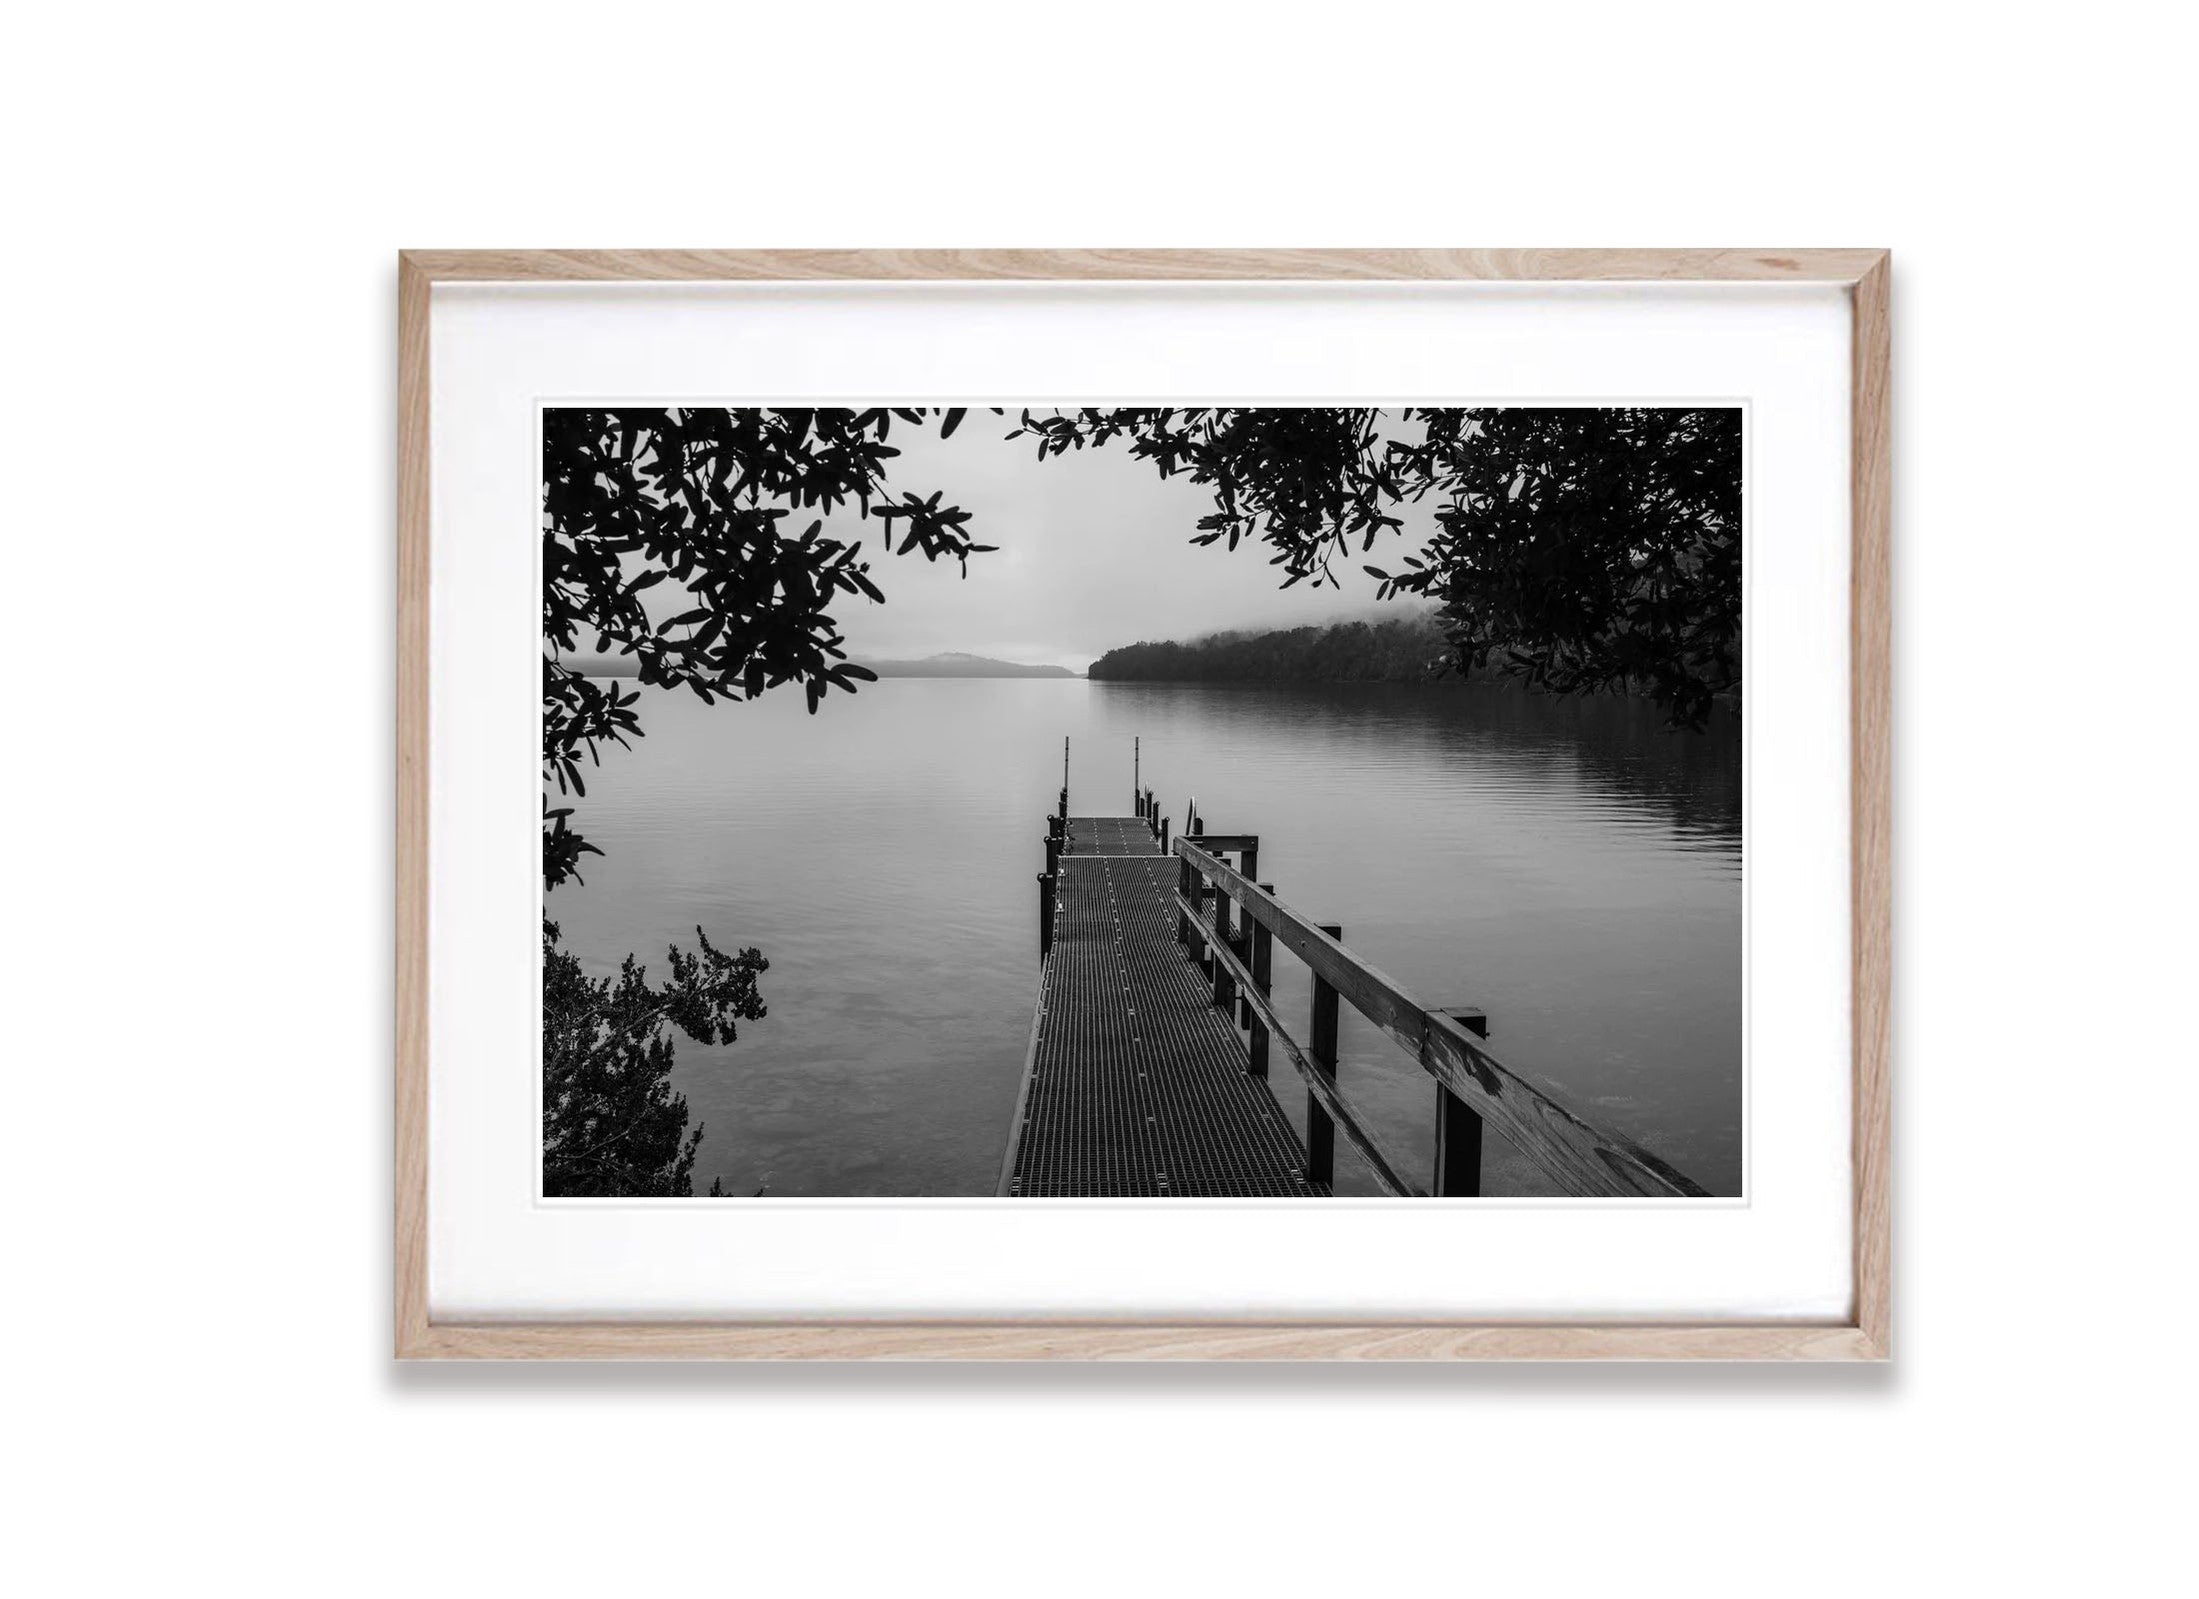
[1143, 804]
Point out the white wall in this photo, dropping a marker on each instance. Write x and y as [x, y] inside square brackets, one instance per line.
[198, 420]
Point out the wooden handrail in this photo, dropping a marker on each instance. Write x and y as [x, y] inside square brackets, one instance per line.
[1318, 1083]
[1227, 843]
[1582, 1160]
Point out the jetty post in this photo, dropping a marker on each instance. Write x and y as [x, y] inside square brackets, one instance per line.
[1321, 1047]
[1458, 1124]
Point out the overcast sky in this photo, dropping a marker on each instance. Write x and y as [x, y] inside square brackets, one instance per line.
[1094, 552]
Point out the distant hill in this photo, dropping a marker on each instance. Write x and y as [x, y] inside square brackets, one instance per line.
[952, 664]
[957, 664]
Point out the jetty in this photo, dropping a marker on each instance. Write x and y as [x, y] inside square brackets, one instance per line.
[1157, 1048]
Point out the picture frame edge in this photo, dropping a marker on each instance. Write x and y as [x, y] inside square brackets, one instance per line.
[1865, 1337]
[1163, 1341]
[1562, 264]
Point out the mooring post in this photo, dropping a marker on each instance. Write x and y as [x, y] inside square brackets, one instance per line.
[1065, 778]
[1457, 1124]
[1164, 835]
[1045, 914]
[1136, 793]
[1320, 1130]
[1053, 853]
[1263, 955]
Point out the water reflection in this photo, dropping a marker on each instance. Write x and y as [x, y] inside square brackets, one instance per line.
[1568, 865]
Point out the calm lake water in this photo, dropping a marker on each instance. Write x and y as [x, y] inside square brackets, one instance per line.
[1569, 866]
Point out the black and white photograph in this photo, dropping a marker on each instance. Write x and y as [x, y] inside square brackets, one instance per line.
[1029, 801]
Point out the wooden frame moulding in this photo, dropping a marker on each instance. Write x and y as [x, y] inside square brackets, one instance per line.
[1864, 1334]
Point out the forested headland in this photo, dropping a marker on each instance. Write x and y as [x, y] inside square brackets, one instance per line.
[1407, 649]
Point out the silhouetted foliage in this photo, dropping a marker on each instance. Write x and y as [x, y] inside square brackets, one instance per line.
[1578, 550]
[611, 1125]
[1298, 479]
[1584, 550]
[1394, 650]
[693, 499]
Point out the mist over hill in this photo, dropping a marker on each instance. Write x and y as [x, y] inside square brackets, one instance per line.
[1399, 650]
[955, 663]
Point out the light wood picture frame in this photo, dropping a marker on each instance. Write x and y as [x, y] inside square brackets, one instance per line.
[1863, 1335]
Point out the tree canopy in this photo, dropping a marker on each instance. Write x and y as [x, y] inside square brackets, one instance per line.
[1577, 549]
[1582, 550]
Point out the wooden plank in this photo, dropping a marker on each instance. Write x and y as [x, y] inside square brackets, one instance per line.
[1228, 843]
[1580, 1159]
[1318, 1082]
[1040, 1338]
[1870, 777]
[1772, 265]
[410, 1255]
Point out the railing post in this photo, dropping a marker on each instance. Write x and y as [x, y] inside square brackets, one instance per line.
[1457, 1124]
[1045, 914]
[1248, 865]
[1183, 918]
[1263, 955]
[1321, 1049]
[1225, 986]
[1200, 888]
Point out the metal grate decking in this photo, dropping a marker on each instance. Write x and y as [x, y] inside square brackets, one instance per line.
[1110, 835]
[1137, 1085]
